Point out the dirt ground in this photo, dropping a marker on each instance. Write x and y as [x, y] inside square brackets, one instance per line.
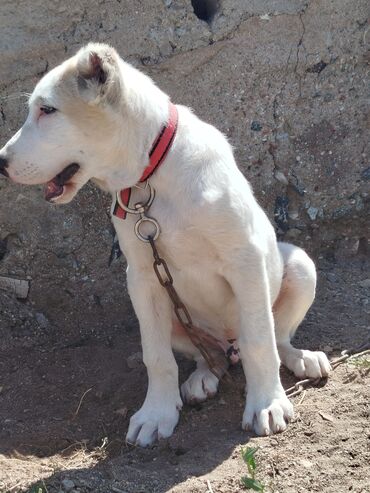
[70, 382]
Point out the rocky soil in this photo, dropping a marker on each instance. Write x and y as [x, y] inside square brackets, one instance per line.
[67, 391]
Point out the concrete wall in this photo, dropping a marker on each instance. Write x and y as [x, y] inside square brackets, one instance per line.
[285, 80]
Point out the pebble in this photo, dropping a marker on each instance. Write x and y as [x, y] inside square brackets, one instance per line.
[68, 485]
[256, 126]
[365, 175]
[312, 212]
[42, 320]
[331, 277]
[279, 176]
[365, 283]
[306, 463]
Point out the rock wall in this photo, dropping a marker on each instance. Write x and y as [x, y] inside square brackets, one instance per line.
[285, 80]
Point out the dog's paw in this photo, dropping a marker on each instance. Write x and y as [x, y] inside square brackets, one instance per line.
[153, 422]
[267, 415]
[307, 364]
[201, 385]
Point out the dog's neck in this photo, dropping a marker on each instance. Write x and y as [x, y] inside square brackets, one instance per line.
[139, 123]
[157, 155]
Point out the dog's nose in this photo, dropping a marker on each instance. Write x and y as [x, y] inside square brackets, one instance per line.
[3, 166]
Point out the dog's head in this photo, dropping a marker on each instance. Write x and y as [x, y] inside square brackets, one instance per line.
[73, 112]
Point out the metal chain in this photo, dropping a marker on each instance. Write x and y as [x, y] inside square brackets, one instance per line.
[181, 312]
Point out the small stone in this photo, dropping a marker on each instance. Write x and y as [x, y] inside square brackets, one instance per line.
[42, 320]
[326, 417]
[365, 175]
[331, 277]
[312, 212]
[306, 463]
[281, 214]
[279, 176]
[135, 360]
[282, 136]
[317, 68]
[365, 283]
[19, 287]
[256, 126]
[67, 485]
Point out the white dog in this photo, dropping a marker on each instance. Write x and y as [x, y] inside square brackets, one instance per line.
[96, 117]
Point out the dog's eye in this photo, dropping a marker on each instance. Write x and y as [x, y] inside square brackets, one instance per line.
[48, 110]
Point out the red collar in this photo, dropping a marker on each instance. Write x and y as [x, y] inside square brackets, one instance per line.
[157, 155]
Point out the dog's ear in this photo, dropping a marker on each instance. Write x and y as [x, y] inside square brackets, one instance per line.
[98, 76]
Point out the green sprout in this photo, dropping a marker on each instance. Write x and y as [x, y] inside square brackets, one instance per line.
[37, 488]
[250, 482]
[362, 362]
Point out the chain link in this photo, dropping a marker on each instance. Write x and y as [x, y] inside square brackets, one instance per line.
[181, 312]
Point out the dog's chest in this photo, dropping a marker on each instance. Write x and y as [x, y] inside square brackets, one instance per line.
[195, 266]
[197, 271]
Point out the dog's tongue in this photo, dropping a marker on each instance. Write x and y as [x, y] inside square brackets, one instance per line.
[55, 187]
[52, 190]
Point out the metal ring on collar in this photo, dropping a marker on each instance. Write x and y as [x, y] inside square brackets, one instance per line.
[153, 236]
[146, 206]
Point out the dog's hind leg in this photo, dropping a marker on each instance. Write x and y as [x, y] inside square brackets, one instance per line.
[202, 384]
[295, 298]
[267, 408]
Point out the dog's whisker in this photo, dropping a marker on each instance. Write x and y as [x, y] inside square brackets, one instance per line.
[11, 97]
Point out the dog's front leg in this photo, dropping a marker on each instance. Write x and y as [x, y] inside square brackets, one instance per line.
[159, 414]
[267, 408]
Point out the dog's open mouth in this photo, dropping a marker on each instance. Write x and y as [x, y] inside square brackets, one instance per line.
[56, 187]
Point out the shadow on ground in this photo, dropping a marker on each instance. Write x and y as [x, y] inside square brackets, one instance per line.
[66, 402]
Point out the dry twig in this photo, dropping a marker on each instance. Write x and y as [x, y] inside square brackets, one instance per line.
[210, 490]
[79, 404]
